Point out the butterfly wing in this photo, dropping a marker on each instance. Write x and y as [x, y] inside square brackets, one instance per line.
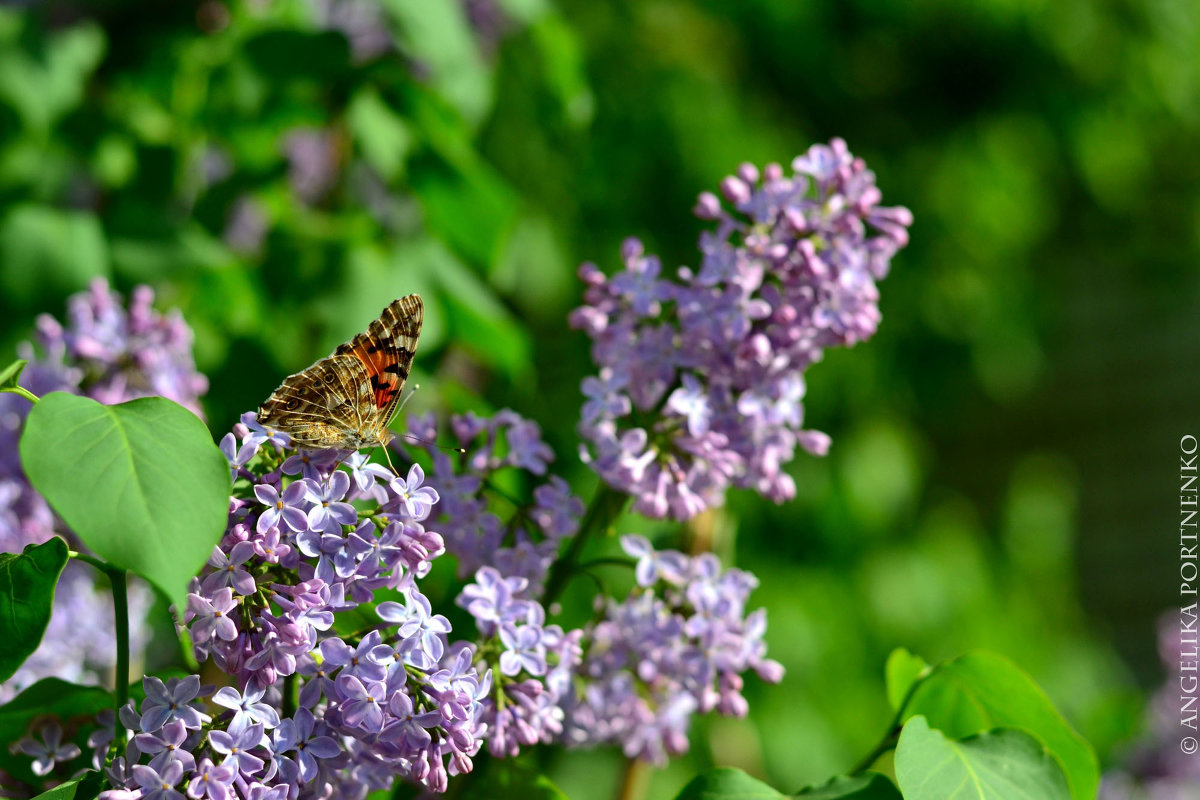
[386, 351]
[321, 407]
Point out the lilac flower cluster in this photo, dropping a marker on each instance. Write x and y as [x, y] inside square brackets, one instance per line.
[701, 375]
[111, 354]
[319, 711]
[1154, 767]
[675, 647]
[474, 534]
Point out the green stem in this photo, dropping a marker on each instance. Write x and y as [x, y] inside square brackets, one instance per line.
[28, 395]
[607, 504]
[892, 736]
[118, 579]
[607, 561]
[291, 695]
[120, 592]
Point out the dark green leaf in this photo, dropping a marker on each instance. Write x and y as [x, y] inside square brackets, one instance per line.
[997, 765]
[141, 482]
[288, 54]
[468, 206]
[981, 691]
[726, 783]
[50, 697]
[902, 671]
[27, 584]
[479, 320]
[871, 786]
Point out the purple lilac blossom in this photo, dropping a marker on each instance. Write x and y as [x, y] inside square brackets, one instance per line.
[1153, 766]
[400, 701]
[677, 646]
[700, 374]
[473, 533]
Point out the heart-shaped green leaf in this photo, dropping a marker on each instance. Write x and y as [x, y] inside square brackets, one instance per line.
[141, 483]
[27, 584]
[981, 691]
[997, 765]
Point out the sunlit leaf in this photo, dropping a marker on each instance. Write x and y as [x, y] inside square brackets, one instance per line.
[141, 483]
[996, 765]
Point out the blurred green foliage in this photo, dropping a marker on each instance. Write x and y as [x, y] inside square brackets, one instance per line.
[1002, 471]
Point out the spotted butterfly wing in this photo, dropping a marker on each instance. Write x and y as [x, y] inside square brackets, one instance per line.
[386, 350]
[346, 401]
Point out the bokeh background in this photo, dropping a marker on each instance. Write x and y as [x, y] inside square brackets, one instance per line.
[1004, 470]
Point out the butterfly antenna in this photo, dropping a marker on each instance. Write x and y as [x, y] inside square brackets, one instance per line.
[404, 402]
[434, 444]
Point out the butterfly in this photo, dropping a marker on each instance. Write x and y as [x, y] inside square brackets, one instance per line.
[346, 401]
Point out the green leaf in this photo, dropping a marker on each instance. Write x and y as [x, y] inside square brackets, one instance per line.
[902, 671]
[997, 765]
[438, 36]
[478, 319]
[10, 374]
[871, 786]
[286, 54]
[726, 783]
[50, 697]
[85, 787]
[45, 84]
[27, 584]
[46, 253]
[467, 205]
[383, 136]
[981, 691]
[141, 483]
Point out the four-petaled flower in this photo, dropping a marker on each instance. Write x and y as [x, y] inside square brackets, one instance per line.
[49, 751]
[416, 499]
[287, 507]
[329, 513]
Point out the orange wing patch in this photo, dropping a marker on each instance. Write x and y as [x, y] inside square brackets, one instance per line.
[386, 350]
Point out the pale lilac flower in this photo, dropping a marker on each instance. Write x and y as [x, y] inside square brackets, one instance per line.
[407, 727]
[167, 745]
[229, 569]
[157, 785]
[212, 616]
[247, 706]
[416, 499]
[171, 701]
[363, 703]
[49, 751]
[211, 782]
[236, 748]
[302, 735]
[328, 512]
[288, 507]
[523, 650]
